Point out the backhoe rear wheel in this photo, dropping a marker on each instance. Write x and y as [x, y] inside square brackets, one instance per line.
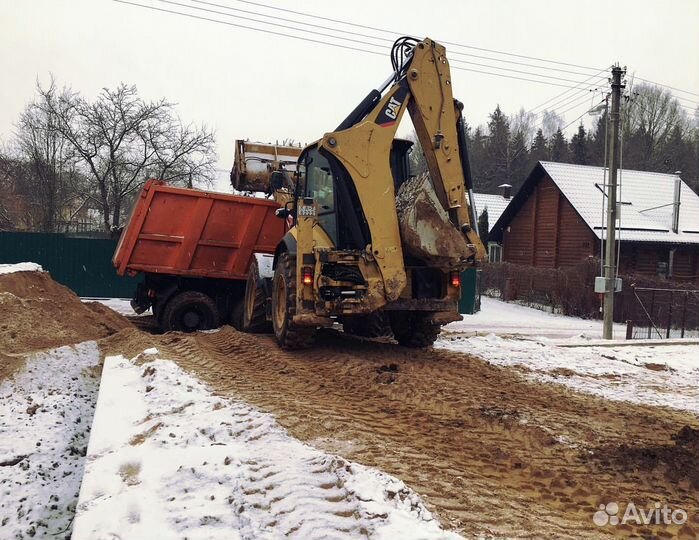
[190, 311]
[236, 318]
[254, 313]
[284, 307]
[413, 329]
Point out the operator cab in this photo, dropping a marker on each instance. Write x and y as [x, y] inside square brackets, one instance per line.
[325, 180]
[400, 161]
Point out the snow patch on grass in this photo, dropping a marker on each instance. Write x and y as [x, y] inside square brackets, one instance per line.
[505, 318]
[168, 458]
[45, 412]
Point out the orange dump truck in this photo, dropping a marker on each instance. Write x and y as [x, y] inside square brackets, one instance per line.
[194, 248]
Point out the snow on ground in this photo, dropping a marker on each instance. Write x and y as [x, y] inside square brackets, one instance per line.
[46, 411]
[652, 372]
[167, 457]
[500, 317]
[120, 305]
[20, 267]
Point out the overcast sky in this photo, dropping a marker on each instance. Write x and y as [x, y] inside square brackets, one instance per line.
[259, 86]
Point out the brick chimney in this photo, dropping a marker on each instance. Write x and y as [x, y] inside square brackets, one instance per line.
[676, 204]
[506, 190]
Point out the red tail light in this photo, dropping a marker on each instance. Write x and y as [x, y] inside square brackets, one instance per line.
[455, 279]
[307, 275]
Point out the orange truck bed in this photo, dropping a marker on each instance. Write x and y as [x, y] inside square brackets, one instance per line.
[194, 233]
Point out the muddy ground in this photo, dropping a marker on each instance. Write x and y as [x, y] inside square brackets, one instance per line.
[490, 452]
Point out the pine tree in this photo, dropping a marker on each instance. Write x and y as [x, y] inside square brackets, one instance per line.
[483, 226]
[597, 142]
[559, 148]
[478, 159]
[497, 170]
[539, 150]
[539, 146]
[578, 147]
[676, 153]
[519, 161]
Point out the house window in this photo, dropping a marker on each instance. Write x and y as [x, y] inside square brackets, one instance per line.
[494, 252]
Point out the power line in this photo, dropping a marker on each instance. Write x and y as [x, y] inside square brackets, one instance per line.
[378, 38]
[566, 91]
[670, 87]
[275, 17]
[579, 102]
[393, 32]
[575, 106]
[579, 117]
[306, 14]
[275, 24]
[495, 51]
[353, 40]
[515, 71]
[248, 27]
[567, 100]
[322, 42]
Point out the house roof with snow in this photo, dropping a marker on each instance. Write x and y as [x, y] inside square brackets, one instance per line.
[646, 202]
[495, 204]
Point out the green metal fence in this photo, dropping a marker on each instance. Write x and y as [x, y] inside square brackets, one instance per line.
[470, 301]
[81, 263]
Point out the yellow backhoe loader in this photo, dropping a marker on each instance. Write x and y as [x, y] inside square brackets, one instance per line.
[371, 246]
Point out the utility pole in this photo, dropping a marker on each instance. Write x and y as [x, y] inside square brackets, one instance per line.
[610, 253]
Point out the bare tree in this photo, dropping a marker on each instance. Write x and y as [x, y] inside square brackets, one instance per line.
[523, 122]
[121, 140]
[551, 122]
[7, 194]
[650, 116]
[21, 197]
[183, 153]
[44, 165]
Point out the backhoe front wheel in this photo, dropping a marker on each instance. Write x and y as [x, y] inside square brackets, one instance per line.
[414, 329]
[254, 312]
[284, 307]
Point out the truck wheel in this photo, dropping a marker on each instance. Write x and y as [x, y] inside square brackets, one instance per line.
[254, 312]
[190, 311]
[237, 315]
[413, 329]
[284, 307]
[374, 325]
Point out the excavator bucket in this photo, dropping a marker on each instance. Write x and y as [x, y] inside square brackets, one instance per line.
[425, 228]
[255, 163]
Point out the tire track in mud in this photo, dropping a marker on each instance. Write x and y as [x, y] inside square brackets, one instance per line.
[490, 452]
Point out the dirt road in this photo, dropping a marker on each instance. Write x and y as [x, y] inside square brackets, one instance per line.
[490, 452]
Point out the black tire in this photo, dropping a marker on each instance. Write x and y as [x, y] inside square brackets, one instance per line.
[158, 313]
[254, 311]
[284, 307]
[190, 311]
[374, 325]
[237, 315]
[412, 329]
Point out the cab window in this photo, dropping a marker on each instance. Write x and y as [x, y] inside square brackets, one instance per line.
[319, 186]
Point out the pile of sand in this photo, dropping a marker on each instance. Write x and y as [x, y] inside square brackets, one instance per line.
[38, 313]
